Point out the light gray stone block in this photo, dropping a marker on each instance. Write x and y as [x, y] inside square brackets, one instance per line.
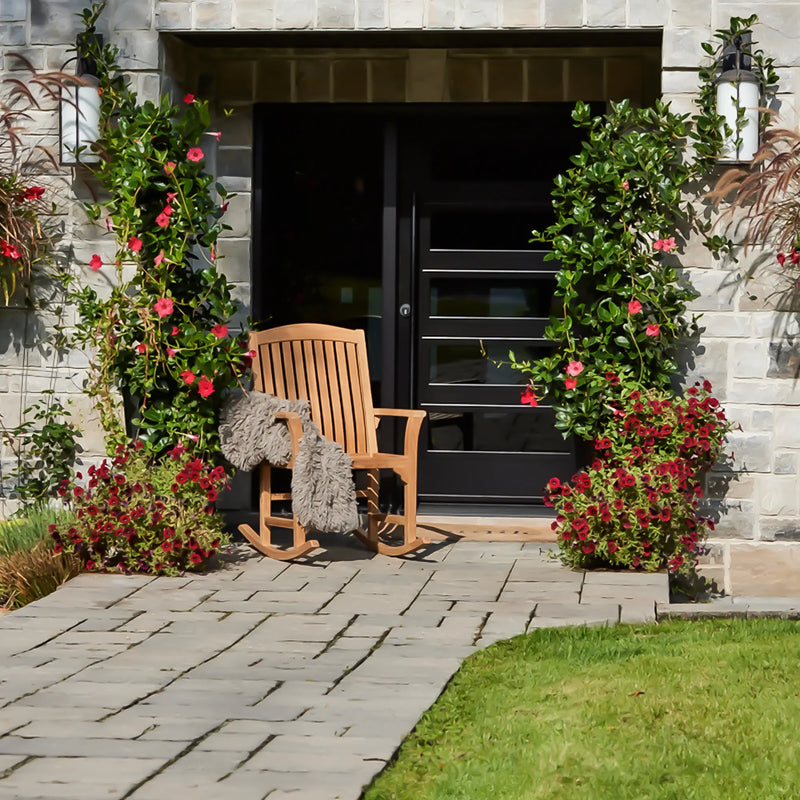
[563, 13]
[605, 13]
[173, 16]
[404, 14]
[254, 14]
[294, 14]
[336, 14]
[17, 11]
[441, 14]
[522, 13]
[371, 14]
[650, 13]
[476, 14]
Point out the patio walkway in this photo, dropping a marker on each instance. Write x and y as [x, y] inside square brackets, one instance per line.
[266, 679]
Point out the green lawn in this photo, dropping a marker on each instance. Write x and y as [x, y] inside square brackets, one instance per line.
[679, 710]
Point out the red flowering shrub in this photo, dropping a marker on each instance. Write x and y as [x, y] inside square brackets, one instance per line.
[139, 515]
[636, 505]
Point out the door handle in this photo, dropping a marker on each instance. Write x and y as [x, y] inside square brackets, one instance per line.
[405, 310]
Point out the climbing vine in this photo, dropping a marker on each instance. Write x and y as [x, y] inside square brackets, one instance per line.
[622, 211]
[161, 338]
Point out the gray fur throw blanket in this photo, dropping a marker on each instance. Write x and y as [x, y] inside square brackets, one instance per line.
[323, 492]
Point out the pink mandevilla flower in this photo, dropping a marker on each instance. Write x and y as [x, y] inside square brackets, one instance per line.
[634, 307]
[141, 348]
[652, 330]
[188, 98]
[96, 262]
[169, 167]
[665, 245]
[163, 306]
[574, 368]
[159, 258]
[195, 154]
[220, 331]
[162, 220]
[135, 244]
[570, 383]
[187, 376]
[528, 397]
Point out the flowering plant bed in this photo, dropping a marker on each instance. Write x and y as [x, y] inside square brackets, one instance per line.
[636, 505]
[136, 514]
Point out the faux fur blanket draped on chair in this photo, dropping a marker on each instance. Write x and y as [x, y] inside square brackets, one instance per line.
[323, 492]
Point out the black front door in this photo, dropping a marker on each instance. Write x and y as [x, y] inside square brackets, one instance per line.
[413, 223]
[472, 188]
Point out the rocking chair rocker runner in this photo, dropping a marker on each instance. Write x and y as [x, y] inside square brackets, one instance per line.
[328, 367]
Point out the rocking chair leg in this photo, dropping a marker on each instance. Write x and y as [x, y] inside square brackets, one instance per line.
[373, 509]
[265, 504]
[410, 508]
[262, 540]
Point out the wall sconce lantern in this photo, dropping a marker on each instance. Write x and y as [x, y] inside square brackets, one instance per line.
[79, 113]
[738, 101]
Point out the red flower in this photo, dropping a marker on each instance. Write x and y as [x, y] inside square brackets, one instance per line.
[205, 387]
[188, 376]
[220, 331]
[163, 307]
[195, 558]
[652, 330]
[634, 307]
[195, 154]
[612, 546]
[570, 383]
[175, 330]
[9, 250]
[162, 220]
[134, 244]
[96, 262]
[553, 484]
[188, 98]
[528, 397]
[32, 193]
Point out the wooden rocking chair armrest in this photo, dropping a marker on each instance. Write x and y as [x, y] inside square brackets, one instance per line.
[414, 418]
[399, 412]
[295, 425]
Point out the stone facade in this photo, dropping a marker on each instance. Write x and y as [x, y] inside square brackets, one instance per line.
[748, 349]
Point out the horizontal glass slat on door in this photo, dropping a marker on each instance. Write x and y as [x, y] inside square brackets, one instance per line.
[526, 430]
[468, 363]
[491, 297]
[486, 228]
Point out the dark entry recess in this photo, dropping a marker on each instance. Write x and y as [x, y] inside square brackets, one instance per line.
[413, 223]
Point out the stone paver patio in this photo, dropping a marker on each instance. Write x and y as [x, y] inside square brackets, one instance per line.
[266, 679]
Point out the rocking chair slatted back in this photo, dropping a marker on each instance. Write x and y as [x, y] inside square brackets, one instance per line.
[326, 366]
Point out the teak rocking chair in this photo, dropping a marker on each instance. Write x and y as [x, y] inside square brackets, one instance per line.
[328, 367]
